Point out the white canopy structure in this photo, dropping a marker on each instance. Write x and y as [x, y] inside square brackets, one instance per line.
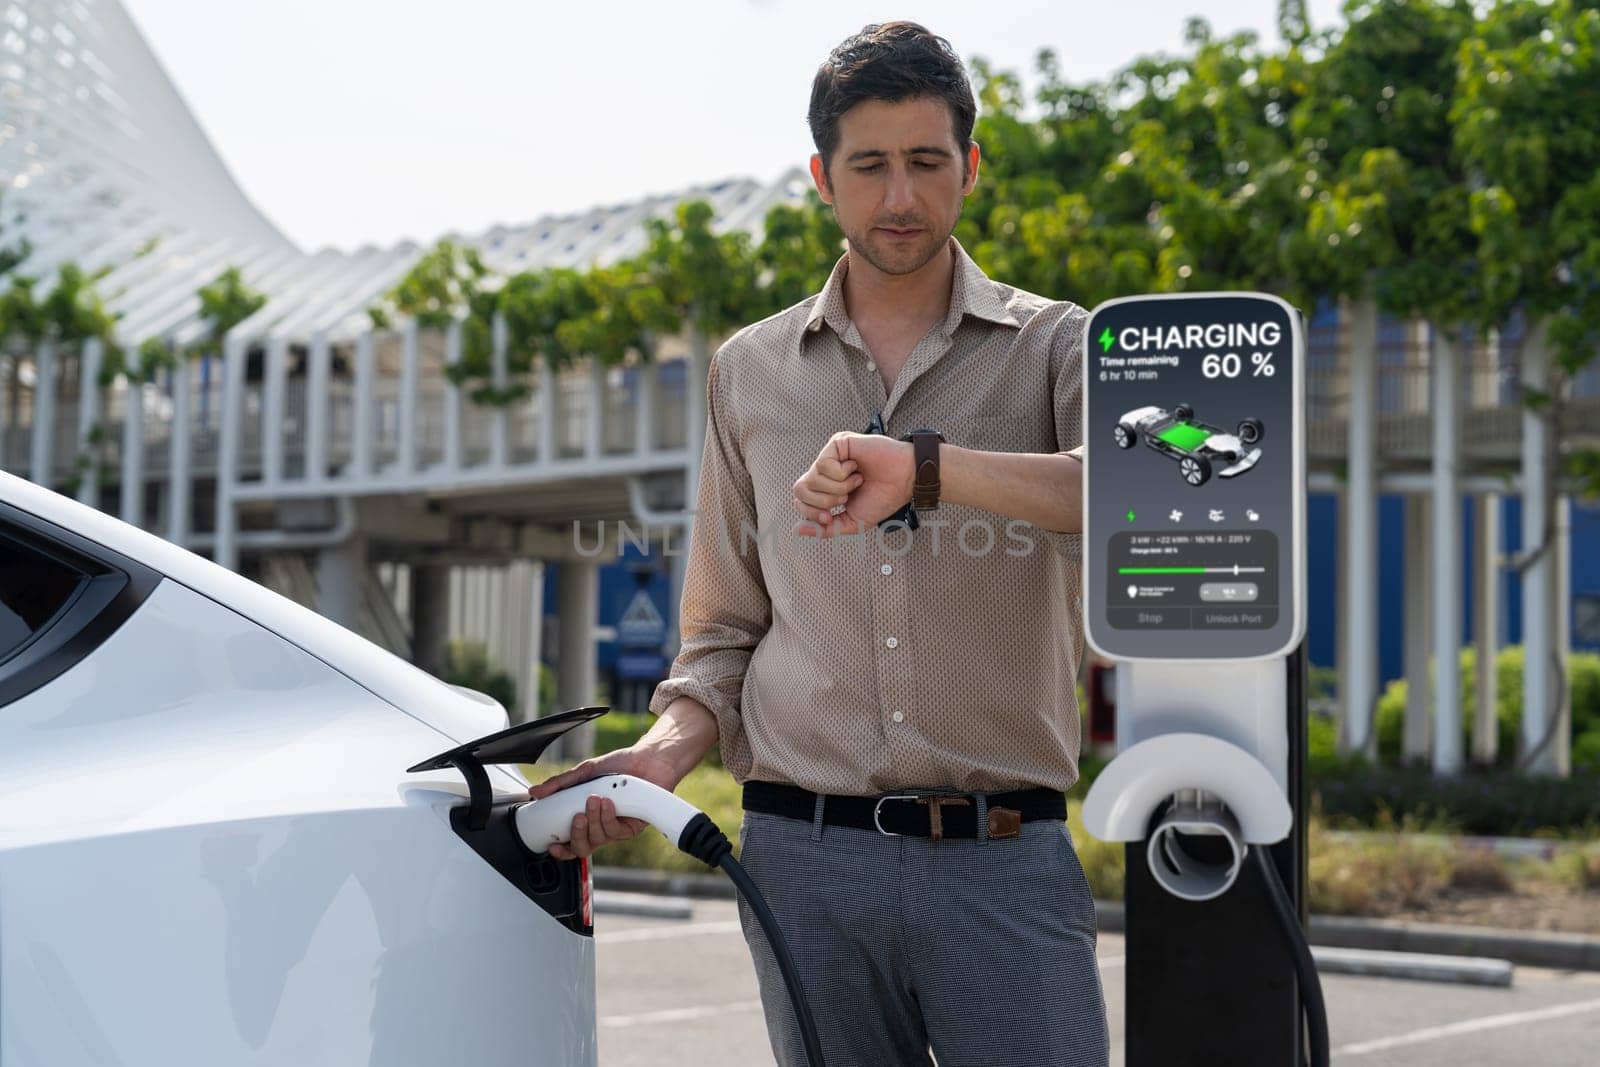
[101, 160]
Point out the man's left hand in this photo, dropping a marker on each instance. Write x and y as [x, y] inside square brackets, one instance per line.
[857, 480]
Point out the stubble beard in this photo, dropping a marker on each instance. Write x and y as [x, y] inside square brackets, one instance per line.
[909, 260]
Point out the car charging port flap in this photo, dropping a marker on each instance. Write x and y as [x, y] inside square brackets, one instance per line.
[523, 743]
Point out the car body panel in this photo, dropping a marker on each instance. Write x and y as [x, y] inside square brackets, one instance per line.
[414, 691]
[211, 852]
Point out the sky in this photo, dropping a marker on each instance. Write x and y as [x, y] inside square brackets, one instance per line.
[354, 122]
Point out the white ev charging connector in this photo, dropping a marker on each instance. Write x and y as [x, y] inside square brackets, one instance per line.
[547, 822]
[538, 824]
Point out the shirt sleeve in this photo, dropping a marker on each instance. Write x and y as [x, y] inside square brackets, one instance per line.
[725, 609]
[1066, 396]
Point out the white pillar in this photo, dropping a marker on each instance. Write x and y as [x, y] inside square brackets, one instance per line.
[226, 550]
[42, 457]
[645, 412]
[695, 395]
[675, 540]
[1415, 741]
[133, 452]
[594, 430]
[1538, 696]
[523, 585]
[88, 419]
[407, 464]
[452, 399]
[339, 574]
[577, 596]
[8, 399]
[178, 452]
[1445, 360]
[1561, 598]
[275, 368]
[499, 420]
[319, 370]
[547, 411]
[1486, 628]
[528, 667]
[1359, 606]
[361, 416]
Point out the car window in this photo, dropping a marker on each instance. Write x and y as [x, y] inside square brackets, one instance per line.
[35, 589]
[61, 595]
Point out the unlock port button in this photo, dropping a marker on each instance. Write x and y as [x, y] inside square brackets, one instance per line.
[1228, 592]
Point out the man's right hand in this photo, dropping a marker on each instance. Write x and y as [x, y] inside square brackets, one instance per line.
[600, 824]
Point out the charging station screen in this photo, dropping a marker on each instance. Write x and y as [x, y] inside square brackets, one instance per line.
[1193, 502]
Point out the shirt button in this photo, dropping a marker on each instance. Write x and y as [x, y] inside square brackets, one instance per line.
[871, 365]
[899, 716]
[892, 642]
[886, 569]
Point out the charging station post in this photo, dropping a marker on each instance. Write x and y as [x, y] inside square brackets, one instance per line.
[1194, 580]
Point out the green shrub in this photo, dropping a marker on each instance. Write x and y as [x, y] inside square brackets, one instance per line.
[1586, 752]
[1583, 678]
[1485, 804]
[619, 729]
[1323, 758]
[467, 663]
[1104, 862]
[1580, 868]
[1089, 768]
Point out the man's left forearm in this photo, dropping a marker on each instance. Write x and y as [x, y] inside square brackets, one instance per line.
[1041, 488]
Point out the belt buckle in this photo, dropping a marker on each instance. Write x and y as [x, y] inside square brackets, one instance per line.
[878, 807]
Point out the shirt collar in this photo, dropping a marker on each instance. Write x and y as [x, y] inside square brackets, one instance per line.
[972, 292]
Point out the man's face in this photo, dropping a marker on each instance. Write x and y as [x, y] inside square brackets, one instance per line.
[896, 181]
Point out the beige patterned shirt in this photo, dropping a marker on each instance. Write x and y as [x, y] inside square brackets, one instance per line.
[941, 657]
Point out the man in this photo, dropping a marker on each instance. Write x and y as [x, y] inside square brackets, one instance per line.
[931, 659]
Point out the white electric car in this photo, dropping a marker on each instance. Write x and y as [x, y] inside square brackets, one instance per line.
[211, 851]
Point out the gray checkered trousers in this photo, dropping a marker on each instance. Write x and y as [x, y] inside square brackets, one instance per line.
[979, 952]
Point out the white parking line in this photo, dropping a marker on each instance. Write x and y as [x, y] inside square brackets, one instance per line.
[661, 933]
[724, 926]
[679, 1015]
[1470, 1026]
[704, 1011]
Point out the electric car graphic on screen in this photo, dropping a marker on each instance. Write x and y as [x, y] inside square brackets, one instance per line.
[1199, 448]
[213, 849]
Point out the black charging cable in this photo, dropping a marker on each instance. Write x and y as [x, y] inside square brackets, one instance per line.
[703, 840]
[1316, 1010]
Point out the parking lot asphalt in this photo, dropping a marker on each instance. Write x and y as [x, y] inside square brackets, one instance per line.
[676, 992]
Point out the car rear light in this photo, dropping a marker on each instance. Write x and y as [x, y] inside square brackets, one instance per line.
[586, 888]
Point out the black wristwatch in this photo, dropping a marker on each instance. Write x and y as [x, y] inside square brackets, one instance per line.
[907, 516]
[925, 454]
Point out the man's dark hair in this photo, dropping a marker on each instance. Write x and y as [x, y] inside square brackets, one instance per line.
[889, 61]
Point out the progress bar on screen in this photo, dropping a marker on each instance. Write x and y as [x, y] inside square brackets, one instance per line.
[1192, 570]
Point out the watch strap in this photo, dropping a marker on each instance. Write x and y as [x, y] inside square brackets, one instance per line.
[925, 458]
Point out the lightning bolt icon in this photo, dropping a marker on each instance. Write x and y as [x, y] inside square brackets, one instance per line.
[1105, 340]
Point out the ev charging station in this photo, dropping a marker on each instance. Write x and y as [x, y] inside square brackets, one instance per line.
[1194, 582]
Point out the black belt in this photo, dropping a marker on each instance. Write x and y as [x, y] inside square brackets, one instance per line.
[914, 813]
